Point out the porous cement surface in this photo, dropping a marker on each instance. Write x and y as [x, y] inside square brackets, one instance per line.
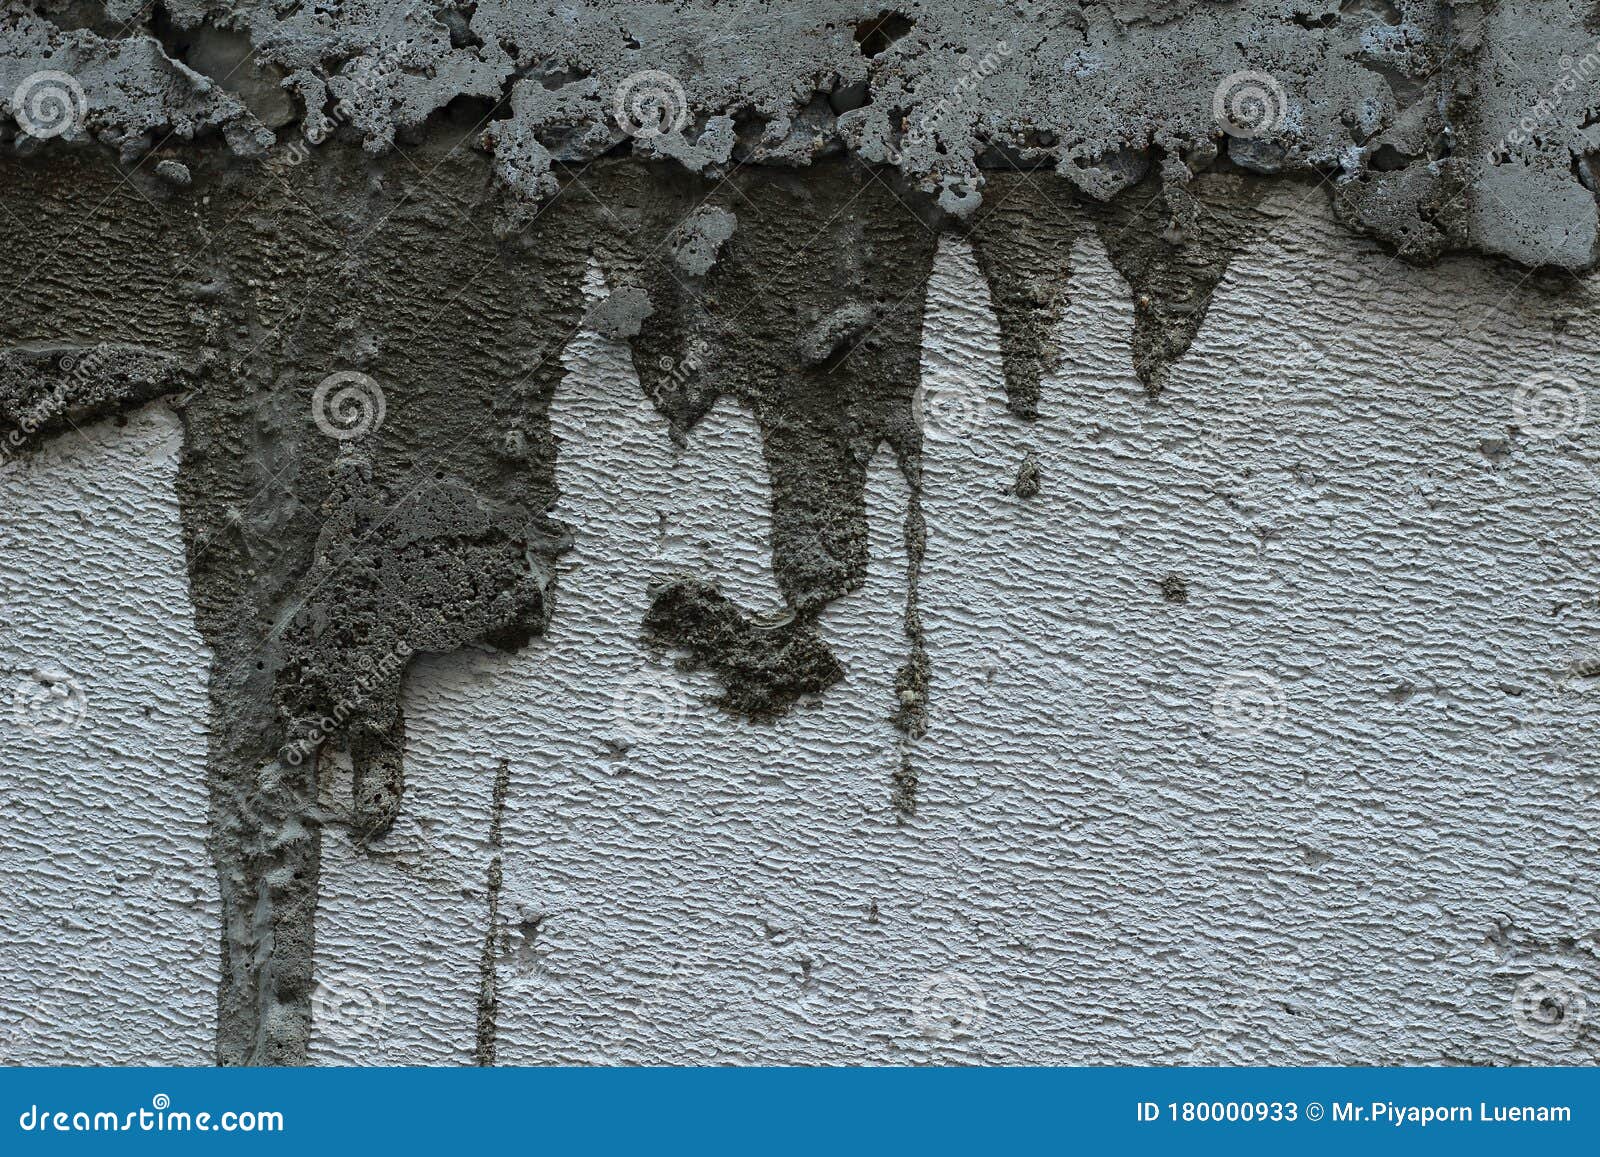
[1414, 109]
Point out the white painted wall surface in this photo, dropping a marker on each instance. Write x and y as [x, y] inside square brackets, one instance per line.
[108, 908]
[1336, 807]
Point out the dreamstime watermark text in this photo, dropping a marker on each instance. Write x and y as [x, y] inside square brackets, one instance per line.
[374, 673]
[1573, 71]
[159, 1117]
[362, 78]
[931, 117]
[78, 369]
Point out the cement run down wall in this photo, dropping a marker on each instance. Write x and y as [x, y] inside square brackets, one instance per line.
[1335, 508]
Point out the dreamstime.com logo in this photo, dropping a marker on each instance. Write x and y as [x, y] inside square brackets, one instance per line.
[348, 1008]
[160, 1117]
[1248, 703]
[1549, 406]
[1249, 104]
[48, 704]
[648, 704]
[1548, 1006]
[48, 104]
[348, 405]
[948, 1005]
[650, 104]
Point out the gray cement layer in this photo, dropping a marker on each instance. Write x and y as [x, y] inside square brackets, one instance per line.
[1440, 125]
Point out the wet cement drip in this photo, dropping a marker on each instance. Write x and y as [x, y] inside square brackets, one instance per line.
[765, 667]
[1022, 238]
[1173, 246]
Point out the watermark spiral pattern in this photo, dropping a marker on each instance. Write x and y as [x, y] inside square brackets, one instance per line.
[647, 705]
[1249, 104]
[947, 1005]
[947, 412]
[1549, 406]
[1548, 1006]
[49, 104]
[348, 405]
[348, 1008]
[1248, 703]
[48, 705]
[650, 104]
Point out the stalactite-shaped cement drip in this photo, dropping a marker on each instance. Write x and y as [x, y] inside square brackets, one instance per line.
[1173, 242]
[324, 560]
[314, 558]
[1022, 237]
[1171, 237]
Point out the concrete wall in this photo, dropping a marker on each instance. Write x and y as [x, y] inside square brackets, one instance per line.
[1258, 719]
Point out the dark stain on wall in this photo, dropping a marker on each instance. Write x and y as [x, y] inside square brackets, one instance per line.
[1173, 245]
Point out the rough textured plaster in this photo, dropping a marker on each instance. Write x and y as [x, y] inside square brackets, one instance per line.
[107, 895]
[1335, 889]
[1096, 872]
[564, 713]
[1370, 529]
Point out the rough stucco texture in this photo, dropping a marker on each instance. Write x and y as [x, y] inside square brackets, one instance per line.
[1095, 872]
[109, 899]
[1413, 106]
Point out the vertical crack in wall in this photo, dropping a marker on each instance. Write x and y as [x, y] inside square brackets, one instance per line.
[493, 933]
[912, 680]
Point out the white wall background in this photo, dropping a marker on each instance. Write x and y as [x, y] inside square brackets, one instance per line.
[109, 922]
[1335, 807]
